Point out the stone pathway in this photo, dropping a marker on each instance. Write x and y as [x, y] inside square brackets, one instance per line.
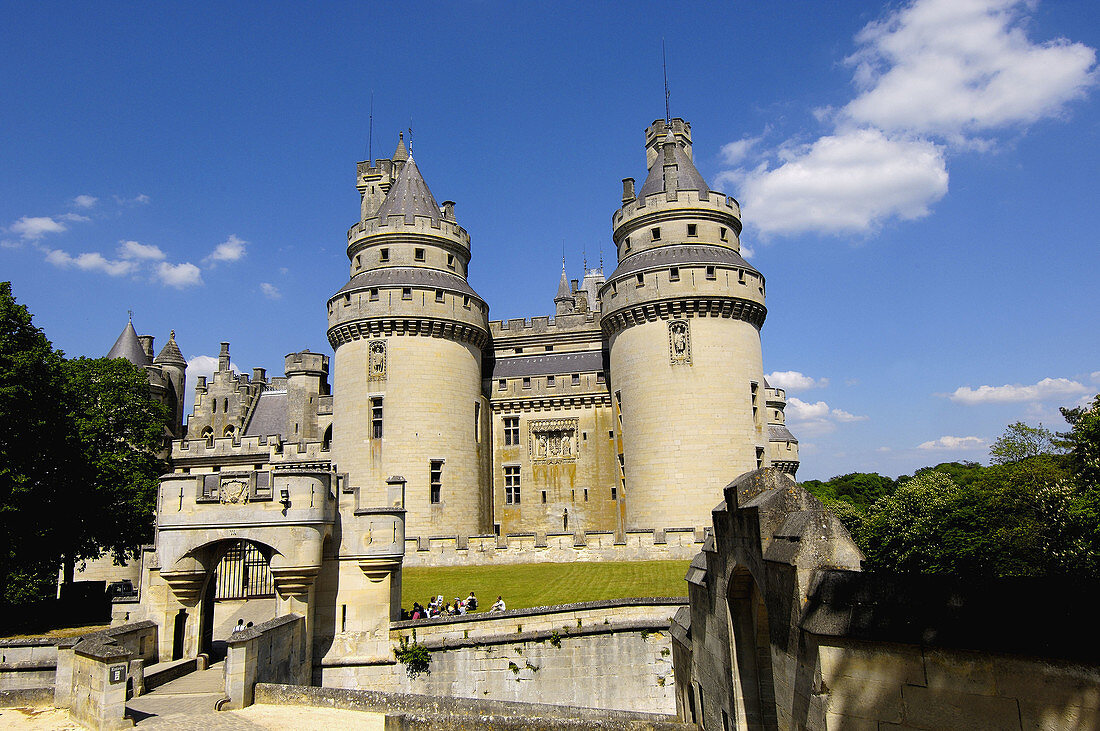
[179, 699]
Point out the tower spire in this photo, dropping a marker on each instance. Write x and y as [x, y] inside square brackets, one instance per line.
[664, 65]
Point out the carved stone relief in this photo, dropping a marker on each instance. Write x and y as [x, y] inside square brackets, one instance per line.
[679, 342]
[233, 490]
[376, 367]
[553, 440]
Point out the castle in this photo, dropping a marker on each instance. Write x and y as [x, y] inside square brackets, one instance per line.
[627, 411]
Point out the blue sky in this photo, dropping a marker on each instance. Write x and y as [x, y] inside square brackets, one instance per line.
[918, 180]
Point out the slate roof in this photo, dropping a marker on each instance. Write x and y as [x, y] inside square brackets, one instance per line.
[408, 277]
[680, 255]
[410, 196]
[170, 354]
[687, 175]
[269, 416]
[780, 433]
[564, 292]
[550, 364]
[129, 347]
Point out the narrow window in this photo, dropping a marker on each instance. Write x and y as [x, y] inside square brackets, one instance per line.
[502, 384]
[511, 485]
[640, 279]
[710, 272]
[674, 274]
[610, 433]
[550, 381]
[722, 232]
[511, 431]
[544, 496]
[576, 379]
[225, 406]
[586, 494]
[477, 421]
[600, 378]
[614, 493]
[384, 255]
[754, 390]
[692, 229]
[527, 383]
[439, 295]
[656, 233]
[435, 478]
[376, 417]
[519, 351]
[406, 293]
[358, 261]
[450, 261]
[466, 302]
[759, 457]
[741, 276]
[347, 300]
[372, 295]
[418, 254]
[626, 244]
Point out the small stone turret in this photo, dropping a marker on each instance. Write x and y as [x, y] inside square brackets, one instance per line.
[782, 444]
[174, 366]
[306, 382]
[563, 300]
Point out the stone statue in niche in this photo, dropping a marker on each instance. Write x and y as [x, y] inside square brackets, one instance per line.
[376, 366]
[553, 440]
[679, 342]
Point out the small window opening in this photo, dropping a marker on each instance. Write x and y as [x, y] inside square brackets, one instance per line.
[640, 279]
[502, 384]
[550, 381]
[372, 294]
[450, 261]
[384, 255]
[692, 229]
[674, 274]
[406, 293]
[527, 383]
[710, 273]
[656, 233]
[576, 379]
[722, 233]
[439, 295]
[418, 254]
[435, 478]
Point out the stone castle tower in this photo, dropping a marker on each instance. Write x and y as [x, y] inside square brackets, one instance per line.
[166, 372]
[408, 333]
[682, 314]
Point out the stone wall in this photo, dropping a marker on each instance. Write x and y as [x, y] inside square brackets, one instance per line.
[270, 652]
[29, 663]
[668, 544]
[612, 655]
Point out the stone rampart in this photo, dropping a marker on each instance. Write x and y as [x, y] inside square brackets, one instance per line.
[613, 655]
[271, 652]
[427, 713]
[29, 663]
[667, 544]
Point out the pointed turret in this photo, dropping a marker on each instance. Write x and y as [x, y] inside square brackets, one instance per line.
[174, 366]
[170, 354]
[673, 170]
[563, 301]
[410, 196]
[400, 154]
[129, 346]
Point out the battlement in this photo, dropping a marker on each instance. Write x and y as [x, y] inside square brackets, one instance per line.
[263, 448]
[424, 225]
[655, 134]
[776, 396]
[658, 544]
[693, 200]
[541, 324]
[306, 363]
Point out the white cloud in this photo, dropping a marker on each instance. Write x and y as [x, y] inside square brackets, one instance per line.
[851, 182]
[179, 276]
[794, 381]
[817, 418]
[747, 252]
[74, 217]
[963, 444]
[958, 67]
[734, 153]
[90, 262]
[139, 199]
[85, 201]
[270, 291]
[1095, 376]
[1045, 390]
[9, 244]
[134, 250]
[32, 228]
[205, 365]
[232, 249]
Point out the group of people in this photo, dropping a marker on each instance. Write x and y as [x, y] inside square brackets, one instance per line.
[438, 608]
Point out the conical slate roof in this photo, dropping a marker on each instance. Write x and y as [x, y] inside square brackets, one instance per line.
[564, 291]
[410, 196]
[400, 154]
[170, 354]
[687, 175]
[129, 347]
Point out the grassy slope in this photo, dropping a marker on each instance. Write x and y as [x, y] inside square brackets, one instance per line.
[537, 585]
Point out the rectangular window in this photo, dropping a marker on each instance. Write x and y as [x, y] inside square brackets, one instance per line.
[614, 493]
[576, 379]
[586, 494]
[549, 348]
[544, 496]
[511, 431]
[466, 302]
[754, 390]
[519, 351]
[640, 280]
[722, 231]
[406, 293]
[384, 255]
[372, 294]
[674, 274]
[710, 272]
[502, 384]
[435, 480]
[692, 229]
[610, 433]
[439, 295]
[600, 378]
[418, 254]
[656, 233]
[741, 276]
[450, 261]
[759, 457]
[511, 485]
[527, 383]
[376, 417]
[550, 381]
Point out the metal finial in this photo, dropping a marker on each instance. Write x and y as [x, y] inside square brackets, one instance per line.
[131, 314]
[410, 136]
[664, 64]
[370, 130]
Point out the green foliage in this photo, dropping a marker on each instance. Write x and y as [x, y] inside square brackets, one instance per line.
[1020, 442]
[78, 474]
[555, 639]
[859, 489]
[414, 656]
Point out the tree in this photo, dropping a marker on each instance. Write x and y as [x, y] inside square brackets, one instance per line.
[1083, 442]
[32, 455]
[117, 430]
[1020, 442]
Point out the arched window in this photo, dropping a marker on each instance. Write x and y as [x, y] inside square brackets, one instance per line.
[208, 435]
[326, 440]
[228, 430]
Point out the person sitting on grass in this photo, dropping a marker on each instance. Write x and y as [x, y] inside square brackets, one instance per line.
[471, 603]
[498, 605]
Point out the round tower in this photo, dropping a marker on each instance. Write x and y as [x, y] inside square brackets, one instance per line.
[174, 366]
[682, 313]
[408, 333]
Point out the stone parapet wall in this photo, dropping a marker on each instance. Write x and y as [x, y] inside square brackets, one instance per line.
[271, 652]
[29, 663]
[613, 655]
[666, 544]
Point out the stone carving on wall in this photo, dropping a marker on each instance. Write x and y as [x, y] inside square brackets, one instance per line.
[233, 490]
[376, 367]
[553, 440]
[679, 342]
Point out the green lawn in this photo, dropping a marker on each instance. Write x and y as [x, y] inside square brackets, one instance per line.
[538, 585]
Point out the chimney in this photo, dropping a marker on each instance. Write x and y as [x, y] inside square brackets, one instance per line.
[146, 344]
[223, 358]
[448, 208]
[628, 190]
[259, 375]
